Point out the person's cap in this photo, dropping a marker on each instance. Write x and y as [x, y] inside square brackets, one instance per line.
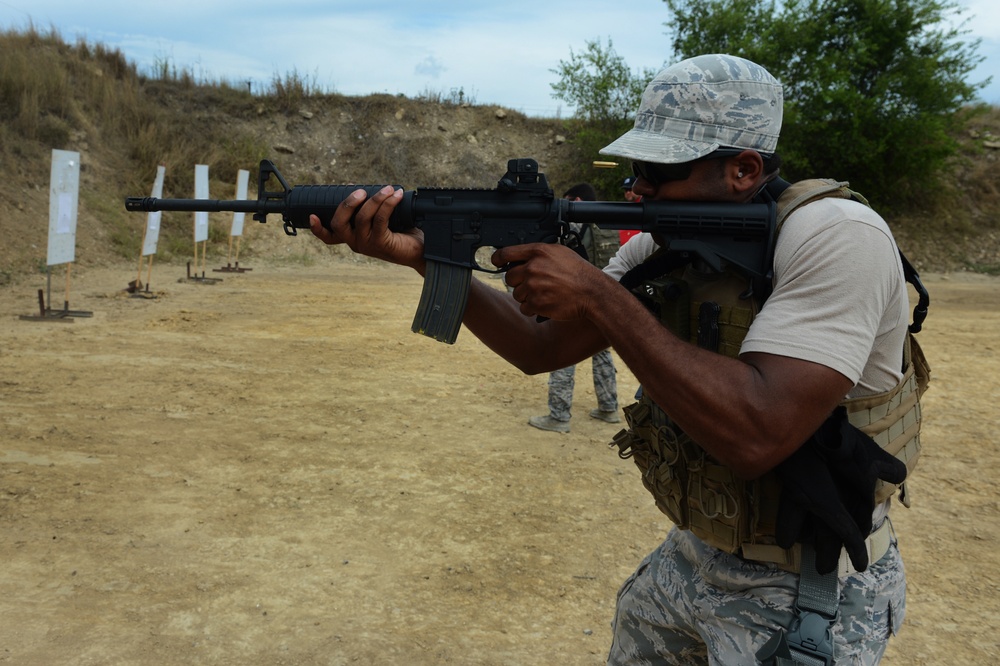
[628, 183]
[699, 105]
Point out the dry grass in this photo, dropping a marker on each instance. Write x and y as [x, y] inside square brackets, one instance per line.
[53, 91]
[89, 98]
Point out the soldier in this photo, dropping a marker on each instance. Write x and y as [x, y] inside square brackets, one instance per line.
[631, 197]
[601, 245]
[746, 431]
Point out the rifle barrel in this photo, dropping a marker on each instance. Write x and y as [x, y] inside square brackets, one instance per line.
[149, 204]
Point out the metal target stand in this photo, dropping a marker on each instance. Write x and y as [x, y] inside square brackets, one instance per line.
[199, 279]
[236, 228]
[47, 313]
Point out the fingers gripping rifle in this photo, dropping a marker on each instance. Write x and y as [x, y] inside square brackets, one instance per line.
[521, 209]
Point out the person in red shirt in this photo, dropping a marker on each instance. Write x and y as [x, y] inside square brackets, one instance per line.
[632, 197]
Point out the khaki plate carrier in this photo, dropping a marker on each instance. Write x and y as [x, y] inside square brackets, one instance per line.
[697, 492]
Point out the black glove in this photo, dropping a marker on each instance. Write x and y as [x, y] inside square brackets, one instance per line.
[828, 491]
[857, 463]
[811, 511]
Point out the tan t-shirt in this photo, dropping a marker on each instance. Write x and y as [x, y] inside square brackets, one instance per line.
[839, 294]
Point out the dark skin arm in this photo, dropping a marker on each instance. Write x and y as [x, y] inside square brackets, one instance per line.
[749, 413]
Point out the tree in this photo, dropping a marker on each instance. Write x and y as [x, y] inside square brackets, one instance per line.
[605, 95]
[872, 87]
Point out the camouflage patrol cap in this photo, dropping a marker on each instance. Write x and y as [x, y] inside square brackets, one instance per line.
[700, 105]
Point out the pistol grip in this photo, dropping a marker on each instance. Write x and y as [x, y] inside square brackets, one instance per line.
[442, 301]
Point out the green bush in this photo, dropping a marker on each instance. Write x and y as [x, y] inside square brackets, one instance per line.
[873, 88]
[605, 94]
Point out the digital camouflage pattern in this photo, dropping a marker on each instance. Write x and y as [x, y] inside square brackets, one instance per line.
[688, 603]
[561, 384]
[700, 105]
[601, 246]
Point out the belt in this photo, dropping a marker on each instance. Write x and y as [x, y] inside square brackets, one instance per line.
[790, 559]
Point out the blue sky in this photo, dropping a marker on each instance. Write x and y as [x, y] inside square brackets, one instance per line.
[500, 53]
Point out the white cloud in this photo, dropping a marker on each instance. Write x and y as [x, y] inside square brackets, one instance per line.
[429, 66]
[497, 53]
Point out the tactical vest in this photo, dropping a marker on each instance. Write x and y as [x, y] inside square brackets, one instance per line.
[698, 493]
[601, 244]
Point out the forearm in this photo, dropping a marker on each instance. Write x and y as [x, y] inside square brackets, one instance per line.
[747, 415]
[533, 347]
[492, 316]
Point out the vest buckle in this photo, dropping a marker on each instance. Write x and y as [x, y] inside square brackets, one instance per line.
[811, 635]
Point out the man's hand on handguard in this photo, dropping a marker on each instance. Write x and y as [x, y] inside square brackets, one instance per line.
[549, 280]
[363, 225]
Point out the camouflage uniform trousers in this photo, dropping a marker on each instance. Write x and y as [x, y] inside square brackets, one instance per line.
[561, 383]
[690, 603]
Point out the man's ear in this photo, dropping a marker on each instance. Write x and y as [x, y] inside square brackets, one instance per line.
[745, 171]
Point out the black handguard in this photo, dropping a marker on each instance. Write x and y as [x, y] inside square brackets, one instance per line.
[828, 492]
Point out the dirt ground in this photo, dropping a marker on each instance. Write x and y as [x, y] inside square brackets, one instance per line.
[274, 470]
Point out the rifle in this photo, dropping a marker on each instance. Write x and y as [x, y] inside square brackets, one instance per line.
[521, 209]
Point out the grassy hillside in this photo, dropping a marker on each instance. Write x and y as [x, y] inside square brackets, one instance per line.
[90, 99]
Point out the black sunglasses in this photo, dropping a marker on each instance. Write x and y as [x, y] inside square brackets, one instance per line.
[656, 173]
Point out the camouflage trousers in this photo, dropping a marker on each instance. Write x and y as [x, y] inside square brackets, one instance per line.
[561, 383]
[690, 603]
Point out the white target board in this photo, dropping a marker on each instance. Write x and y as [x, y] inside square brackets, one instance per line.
[242, 181]
[200, 192]
[152, 235]
[64, 190]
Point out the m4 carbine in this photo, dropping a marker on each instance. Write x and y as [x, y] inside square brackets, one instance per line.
[521, 209]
